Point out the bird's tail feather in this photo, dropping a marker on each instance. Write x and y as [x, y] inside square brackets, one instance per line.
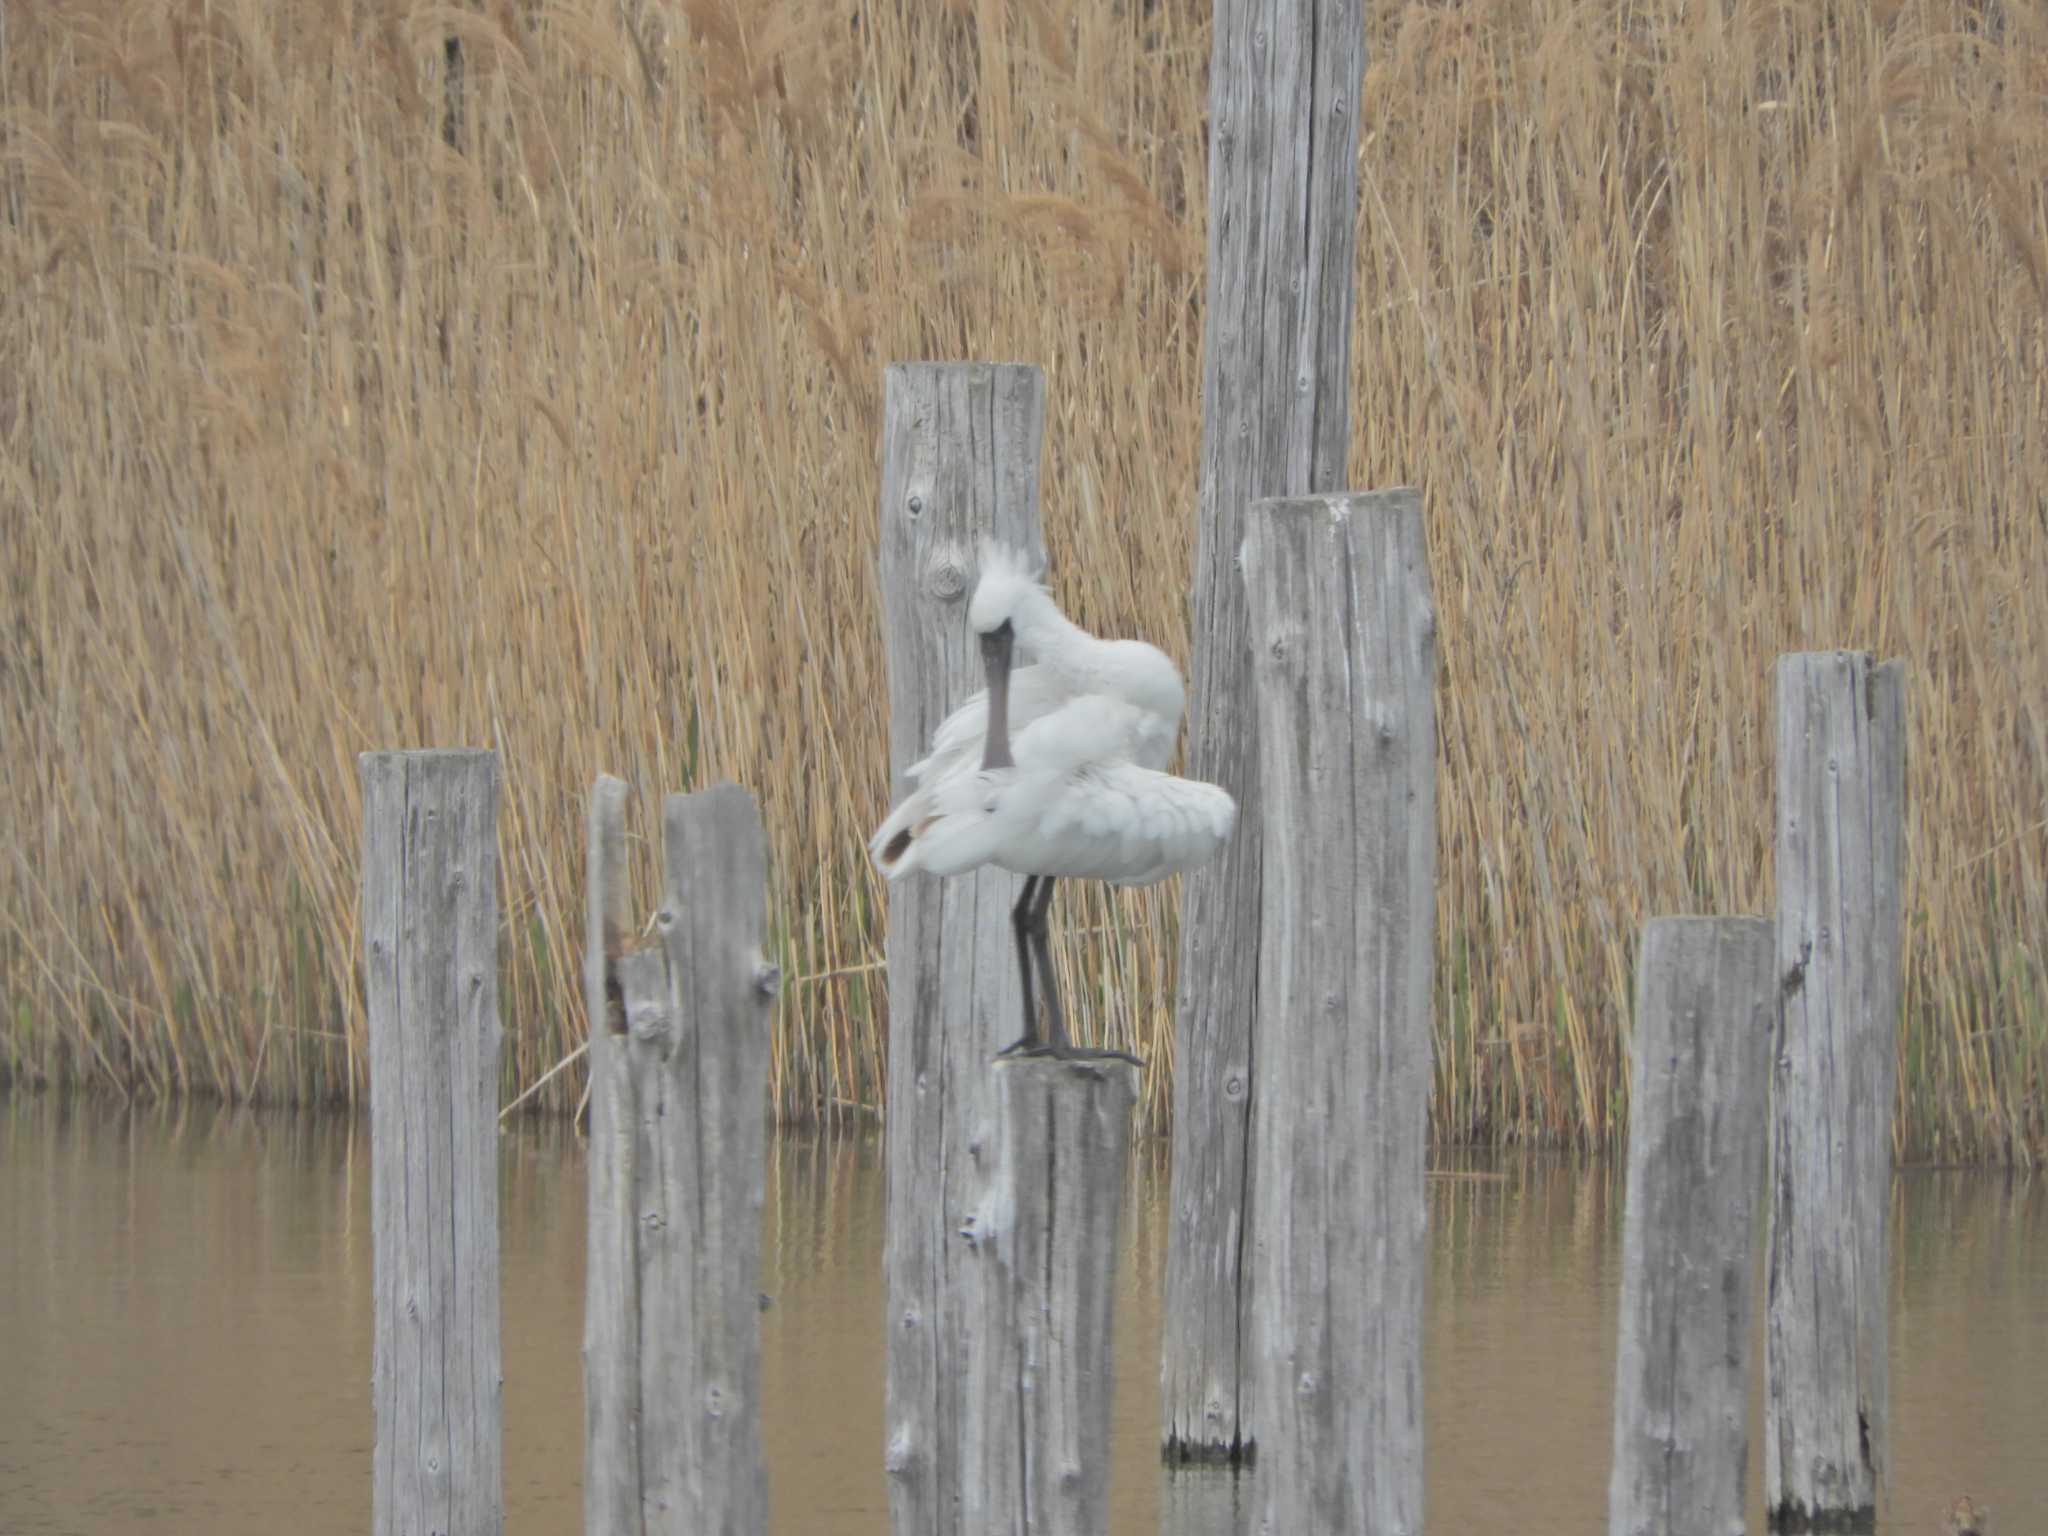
[941, 831]
[893, 838]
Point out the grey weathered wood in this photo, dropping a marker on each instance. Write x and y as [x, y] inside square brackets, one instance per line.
[1344, 715]
[1040, 1243]
[1706, 1003]
[1284, 82]
[1841, 813]
[679, 1104]
[959, 460]
[611, 1290]
[430, 942]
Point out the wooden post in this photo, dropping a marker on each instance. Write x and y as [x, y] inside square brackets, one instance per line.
[1041, 1242]
[678, 1157]
[1344, 674]
[1706, 1002]
[611, 1273]
[1284, 83]
[430, 946]
[1841, 813]
[959, 460]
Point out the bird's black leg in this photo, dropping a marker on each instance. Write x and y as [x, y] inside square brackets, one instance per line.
[1061, 1042]
[1020, 924]
[1058, 1041]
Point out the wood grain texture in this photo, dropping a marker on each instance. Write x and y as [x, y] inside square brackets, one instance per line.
[611, 1290]
[1285, 78]
[430, 940]
[960, 454]
[678, 1161]
[1700, 1082]
[1040, 1245]
[1343, 688]
[1841, 813]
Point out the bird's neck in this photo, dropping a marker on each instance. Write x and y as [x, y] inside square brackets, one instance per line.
[1051, 637]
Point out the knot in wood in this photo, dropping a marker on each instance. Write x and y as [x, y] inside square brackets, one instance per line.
[945, 579]
[648, 1022]
[1233, 1087]
[915, 505]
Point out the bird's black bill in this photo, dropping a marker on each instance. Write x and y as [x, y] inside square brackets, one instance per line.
[996, 648]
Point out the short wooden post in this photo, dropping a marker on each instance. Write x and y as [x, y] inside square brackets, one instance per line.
[430, 946]
[1041, 1241]
[678, 1158]
[959, 461]
[1343, 675]
[1285, 78]
[1706, 1003]
[611, 1272]
[1841, 814]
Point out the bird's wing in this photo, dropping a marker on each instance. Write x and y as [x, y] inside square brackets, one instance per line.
[1035, 691]
[1113, 820]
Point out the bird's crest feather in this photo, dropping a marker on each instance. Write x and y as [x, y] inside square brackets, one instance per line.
[1009, 575]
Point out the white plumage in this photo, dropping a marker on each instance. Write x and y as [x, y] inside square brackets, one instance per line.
[1054, 769]
[1072, 804]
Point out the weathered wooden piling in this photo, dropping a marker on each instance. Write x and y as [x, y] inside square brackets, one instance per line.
[1706, 1004]
[1040, 1244]
[1841, 812]
[611, 1272]
[1284, 83]
[1344, 672]
[678, 1124]
[959, 461]
[430, 947]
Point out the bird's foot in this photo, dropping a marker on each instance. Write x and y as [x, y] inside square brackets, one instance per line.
[1100, 1053]
[1036, 1046]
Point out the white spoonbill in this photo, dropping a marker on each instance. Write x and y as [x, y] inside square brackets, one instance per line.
[1053, 771]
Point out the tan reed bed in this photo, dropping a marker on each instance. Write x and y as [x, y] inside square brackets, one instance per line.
[1710, 330]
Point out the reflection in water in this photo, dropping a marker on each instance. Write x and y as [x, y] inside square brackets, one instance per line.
[184, 1335]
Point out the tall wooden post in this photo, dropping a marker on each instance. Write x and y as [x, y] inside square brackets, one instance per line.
[678, 1158]
[1041, 1241]
[959, 461]
[1841, 813]
[1706, 1003]
[430, 946]
[1284, 83]
[1344, 676]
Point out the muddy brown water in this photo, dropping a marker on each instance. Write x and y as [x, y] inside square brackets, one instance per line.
[185, 1335]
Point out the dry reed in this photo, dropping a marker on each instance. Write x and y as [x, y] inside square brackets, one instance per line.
[506, 374]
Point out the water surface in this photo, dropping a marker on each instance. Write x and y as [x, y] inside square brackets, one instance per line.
[185, 1335]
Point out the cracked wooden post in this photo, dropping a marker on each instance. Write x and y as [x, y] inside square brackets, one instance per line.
[678, 1157]
[1344, 677]
[960, 448]
[430, 942]
[1040, 1245]
[1841, 815]
[1699, 1081]
[1284, 84]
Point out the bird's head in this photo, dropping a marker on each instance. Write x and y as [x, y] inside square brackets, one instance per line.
[1009, 580]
